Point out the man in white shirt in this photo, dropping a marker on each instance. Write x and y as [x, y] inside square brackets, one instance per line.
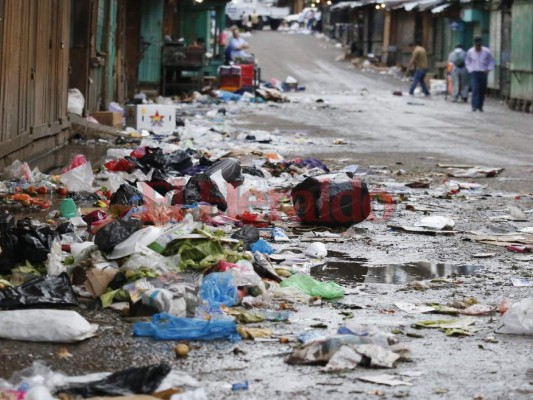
[238, 45]
[479, 62]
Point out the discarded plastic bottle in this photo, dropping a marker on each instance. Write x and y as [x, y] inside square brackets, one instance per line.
[273, 315]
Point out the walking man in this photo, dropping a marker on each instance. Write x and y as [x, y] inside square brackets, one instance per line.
[418, 63]
[479, 62]
[459, 74]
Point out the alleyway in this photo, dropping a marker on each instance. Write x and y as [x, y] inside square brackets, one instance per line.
[402, 148]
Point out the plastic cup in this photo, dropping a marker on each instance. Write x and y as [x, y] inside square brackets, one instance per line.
[68, 208]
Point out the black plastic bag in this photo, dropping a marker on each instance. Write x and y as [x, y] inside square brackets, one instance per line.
[178, 161]
[331, 200]
[34, 243]
[159, 183]
[143, 380]
[127, 195]
[65, 227]
[43, 291]
[116, 232]
[8, 244]
[247, 234]
[253, 171]
[231, 171]
[201, 188]
[153, 157]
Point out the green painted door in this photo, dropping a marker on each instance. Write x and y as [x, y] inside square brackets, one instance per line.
[151, 41]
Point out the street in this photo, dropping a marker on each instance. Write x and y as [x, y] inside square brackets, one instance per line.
[348, 117]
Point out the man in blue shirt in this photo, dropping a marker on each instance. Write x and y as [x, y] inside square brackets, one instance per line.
[479, 62]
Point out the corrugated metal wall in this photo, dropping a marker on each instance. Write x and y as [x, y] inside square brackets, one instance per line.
[522, 50]
[151, 34]
[34, 43]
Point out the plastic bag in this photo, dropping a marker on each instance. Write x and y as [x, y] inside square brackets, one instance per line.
[163, 300]
[262, 246]
[312, 287]
[247, 234]
[231, 171]
[18, 170]
[42, 291]
[127, 195]
[201, 188]
[75, 102]
[143, 380]
[79, 179]
[263, 267]
[45, 325]
[518, 319]
[331, 200]
[116, 232]
[8, 244]
[218, 289]
[120, 165]
[178, 161]
[167, 327]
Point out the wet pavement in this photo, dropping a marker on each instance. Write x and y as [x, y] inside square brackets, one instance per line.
[378, 265]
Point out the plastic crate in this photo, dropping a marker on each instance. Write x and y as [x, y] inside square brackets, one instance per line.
[247, 74]
[230, 83]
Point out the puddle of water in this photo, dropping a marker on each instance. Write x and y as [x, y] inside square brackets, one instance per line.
[52, 162]
[358, 271]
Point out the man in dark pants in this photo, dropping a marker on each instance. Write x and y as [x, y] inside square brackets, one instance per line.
[479, 62]
[418, 63]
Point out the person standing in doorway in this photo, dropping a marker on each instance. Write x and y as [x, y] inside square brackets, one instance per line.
[479, 62]
[460, 84]
[418, 63]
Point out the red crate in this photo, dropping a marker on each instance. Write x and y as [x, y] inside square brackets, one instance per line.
[247, 74]
[230, 83]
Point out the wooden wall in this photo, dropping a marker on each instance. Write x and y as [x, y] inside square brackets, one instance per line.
[34, 61]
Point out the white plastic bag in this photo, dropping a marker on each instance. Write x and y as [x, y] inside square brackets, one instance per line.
[44, 325]
[79, 179]
[518, 319]
[75, 102]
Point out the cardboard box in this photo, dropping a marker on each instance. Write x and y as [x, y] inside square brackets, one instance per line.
[152, 117]
[108, 118]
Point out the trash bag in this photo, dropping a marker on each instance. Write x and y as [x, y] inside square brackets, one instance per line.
[218, 289]
[116, 232]
[42, 291]
[166, 327]
[153, 157]
[135, 380]
[159, 183]
[254, 171]
[178, 161]
[518, 319]
[8, 244]
[34, 243]
[201, 188]
[44, 325]
[120, 165]
[94, 216]
[247, 234]
[312, 287]
[127, 195]
[331, 200]
[79, 179]
[231, 171]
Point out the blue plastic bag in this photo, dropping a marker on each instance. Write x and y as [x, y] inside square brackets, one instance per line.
[218, 289]
[262, 247]
[167, 327]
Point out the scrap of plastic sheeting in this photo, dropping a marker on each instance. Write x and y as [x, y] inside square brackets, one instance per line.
[379, 356]
[522, 282]
[41, 291]
[316, 250]
[413, 308]
[79, 179]
[136, 380]
[198, 394]
[384, 379]
[44, 325]
[518, 319]
[436, 222]
[129, 246]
